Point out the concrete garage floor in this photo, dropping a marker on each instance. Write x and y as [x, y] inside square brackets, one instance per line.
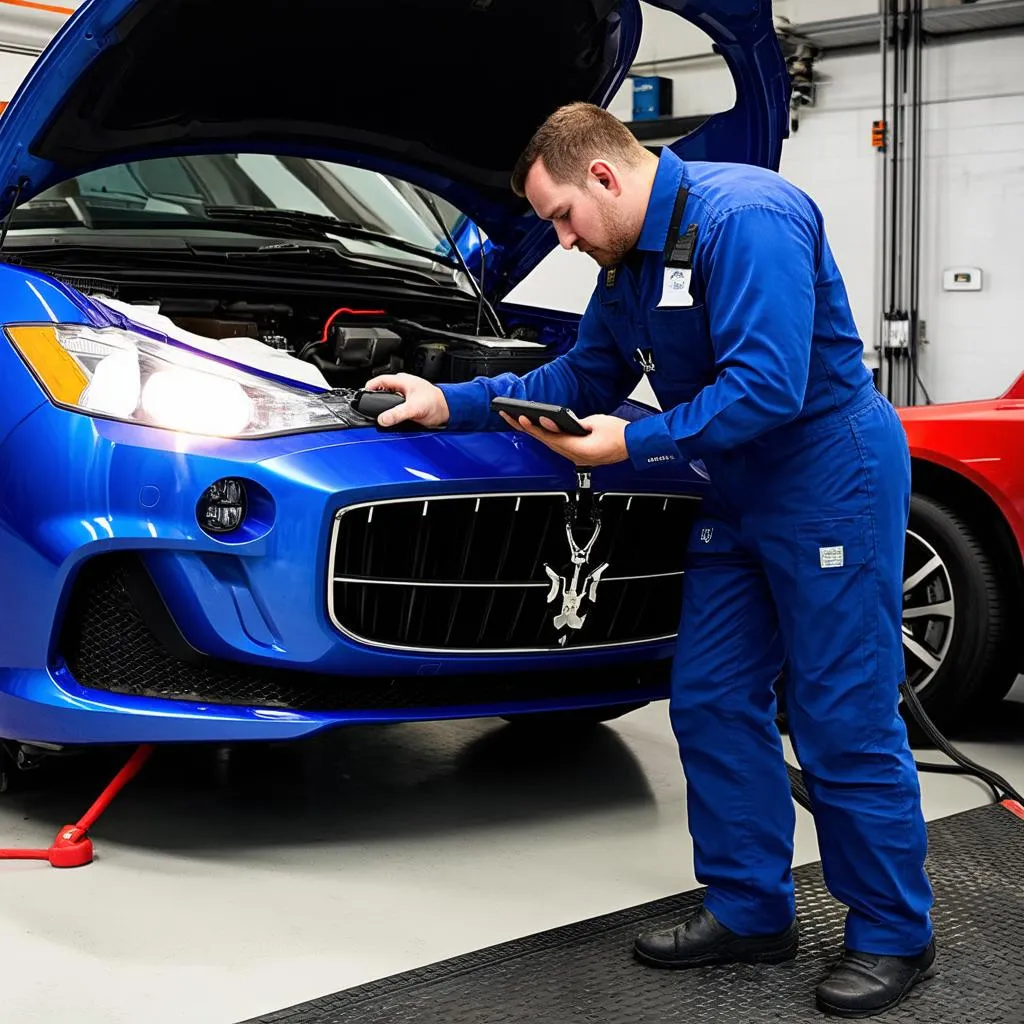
[227, 888]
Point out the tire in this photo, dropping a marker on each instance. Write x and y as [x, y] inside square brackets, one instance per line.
[575, 720]
[956, 639]
[8, 769]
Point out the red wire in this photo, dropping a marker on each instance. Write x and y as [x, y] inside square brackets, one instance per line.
[354, 312]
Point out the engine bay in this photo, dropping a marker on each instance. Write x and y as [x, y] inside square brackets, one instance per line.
[351, 351]
[349, 344]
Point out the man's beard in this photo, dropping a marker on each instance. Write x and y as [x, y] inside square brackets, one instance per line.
[620, 241]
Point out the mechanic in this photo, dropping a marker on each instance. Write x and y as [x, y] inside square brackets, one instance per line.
[717, 281]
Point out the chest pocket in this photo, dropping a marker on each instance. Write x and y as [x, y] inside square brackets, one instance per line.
[684, 359]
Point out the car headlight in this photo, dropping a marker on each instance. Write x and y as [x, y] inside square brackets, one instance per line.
[127, 376]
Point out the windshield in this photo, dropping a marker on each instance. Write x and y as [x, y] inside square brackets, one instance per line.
[175, 193]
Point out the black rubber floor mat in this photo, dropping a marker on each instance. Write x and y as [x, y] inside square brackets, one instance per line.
[585, 974]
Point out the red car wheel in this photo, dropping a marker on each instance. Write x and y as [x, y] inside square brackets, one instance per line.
[956, 639]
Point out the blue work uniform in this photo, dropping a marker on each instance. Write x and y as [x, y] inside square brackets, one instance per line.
[795, 563]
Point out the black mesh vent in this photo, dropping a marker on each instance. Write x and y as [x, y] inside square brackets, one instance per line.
[469, 573]
[117, 637]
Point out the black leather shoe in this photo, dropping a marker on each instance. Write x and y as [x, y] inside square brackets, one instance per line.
[864, 985]
[704, 940]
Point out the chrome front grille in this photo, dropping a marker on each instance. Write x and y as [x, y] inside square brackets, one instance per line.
[469, 573]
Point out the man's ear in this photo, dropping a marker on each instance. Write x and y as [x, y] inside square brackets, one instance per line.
[605, 175]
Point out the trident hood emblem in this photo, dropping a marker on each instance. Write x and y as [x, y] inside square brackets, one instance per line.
[578, 587]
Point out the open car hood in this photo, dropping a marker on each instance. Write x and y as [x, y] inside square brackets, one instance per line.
[443, 93]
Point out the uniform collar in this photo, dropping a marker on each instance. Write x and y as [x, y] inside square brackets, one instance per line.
[667, 181]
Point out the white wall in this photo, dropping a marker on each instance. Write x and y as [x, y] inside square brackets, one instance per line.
[801, 12]
[24, 32]
[28, 27]
[674, 49]
[831, 158]
[973, 191]
[974, 215]
[13, 68]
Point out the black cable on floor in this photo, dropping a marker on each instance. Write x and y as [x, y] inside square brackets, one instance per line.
[955, 769]
[963, 765]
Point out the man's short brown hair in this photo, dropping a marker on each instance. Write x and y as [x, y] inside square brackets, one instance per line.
[572, 137]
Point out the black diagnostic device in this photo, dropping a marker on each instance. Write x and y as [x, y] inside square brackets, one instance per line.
[373, 403]
[564, 418]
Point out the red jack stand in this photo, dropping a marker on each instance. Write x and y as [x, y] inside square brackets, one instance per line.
[73, 848]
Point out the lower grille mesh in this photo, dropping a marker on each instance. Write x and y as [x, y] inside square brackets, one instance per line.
[109, 643]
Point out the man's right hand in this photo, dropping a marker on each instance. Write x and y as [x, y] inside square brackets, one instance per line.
[424, 402]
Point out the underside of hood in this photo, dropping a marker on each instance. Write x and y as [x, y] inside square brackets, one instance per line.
[446, 92]
[441, 93]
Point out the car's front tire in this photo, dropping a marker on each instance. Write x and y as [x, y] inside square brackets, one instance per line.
[956, 639]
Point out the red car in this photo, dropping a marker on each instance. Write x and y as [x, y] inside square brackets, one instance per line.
[963, 587]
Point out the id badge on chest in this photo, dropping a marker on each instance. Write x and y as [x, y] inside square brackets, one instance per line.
[678, 258]
[675, 288]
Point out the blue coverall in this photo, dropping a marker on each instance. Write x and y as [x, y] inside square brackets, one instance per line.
[796, 561]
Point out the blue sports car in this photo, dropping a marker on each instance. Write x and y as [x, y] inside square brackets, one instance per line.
[219, 221]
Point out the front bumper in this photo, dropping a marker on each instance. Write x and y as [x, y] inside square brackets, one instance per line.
[236, 640]
[49, 706]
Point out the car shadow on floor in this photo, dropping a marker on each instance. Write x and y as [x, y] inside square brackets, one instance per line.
[356, 784]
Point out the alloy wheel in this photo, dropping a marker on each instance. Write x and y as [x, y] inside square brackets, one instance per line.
[929, 611]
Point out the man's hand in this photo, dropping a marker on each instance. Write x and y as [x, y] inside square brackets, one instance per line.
[605, 444]
[424, 403]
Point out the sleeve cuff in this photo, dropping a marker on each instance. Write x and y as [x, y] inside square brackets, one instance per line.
[469, 406]
[649, 443]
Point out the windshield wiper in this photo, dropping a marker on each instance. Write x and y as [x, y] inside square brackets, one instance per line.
[325, 225]
[320, 251]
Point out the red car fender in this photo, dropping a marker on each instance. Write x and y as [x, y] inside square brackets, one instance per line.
[982, 442]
